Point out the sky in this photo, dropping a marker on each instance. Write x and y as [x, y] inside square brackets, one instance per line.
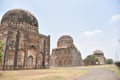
[93, 24]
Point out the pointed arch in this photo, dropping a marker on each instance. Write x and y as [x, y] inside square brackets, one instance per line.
[69, 62]
[40, 59]
[10, 57]
[30, 62]
[20, 60]
[46, 59]
[32, 52]
[59, 63]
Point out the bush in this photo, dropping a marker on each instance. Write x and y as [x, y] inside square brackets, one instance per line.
[109, 61]
[91, 60]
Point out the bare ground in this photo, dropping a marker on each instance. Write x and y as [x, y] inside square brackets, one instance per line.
[99, 74]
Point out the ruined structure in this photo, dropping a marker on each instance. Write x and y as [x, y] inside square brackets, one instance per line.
[100, 55]
[66, 54]
[24, 47]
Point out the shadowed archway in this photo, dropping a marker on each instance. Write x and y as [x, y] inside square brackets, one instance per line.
[10, 59]
[31, 60]
[59, 63]
[20, 60]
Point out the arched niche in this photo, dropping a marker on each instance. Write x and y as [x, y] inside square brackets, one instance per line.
[65, 62]
[20, 58]
[40, 59]
[32, 52]
[59, 63]
[10, 57]
[30, 62]
[46, 60]
[69, 62]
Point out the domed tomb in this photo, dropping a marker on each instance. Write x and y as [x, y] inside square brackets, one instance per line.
[66, 54]
[20, 15]
[65, 41]
[100, 55]
[98, 52]
[23, 47]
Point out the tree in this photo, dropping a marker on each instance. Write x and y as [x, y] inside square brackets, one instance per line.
[91, 59]
[1, 48]
[109, 61]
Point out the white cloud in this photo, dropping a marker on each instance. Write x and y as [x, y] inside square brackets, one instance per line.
[91, 33]
[115, 18]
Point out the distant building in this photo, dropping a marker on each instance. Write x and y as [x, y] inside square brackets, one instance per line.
[100, 55]
[24, 47]
[66, 54]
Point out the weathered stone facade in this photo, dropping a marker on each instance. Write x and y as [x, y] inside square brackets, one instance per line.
[100, 55]
[24, 47]
[66, 54]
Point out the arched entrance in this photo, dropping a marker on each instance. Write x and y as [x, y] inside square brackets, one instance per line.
[46, 60]
[31, 59]
[70, 62]
[39, 60]
[10, 59]
[60, 63]
[20, 59]
[65, 62]
[30, 62]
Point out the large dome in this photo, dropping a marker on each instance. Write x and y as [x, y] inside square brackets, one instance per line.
[98, 52]
[65, 41]
[19, 15]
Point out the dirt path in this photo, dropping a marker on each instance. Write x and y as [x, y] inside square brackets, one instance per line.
[99, 74]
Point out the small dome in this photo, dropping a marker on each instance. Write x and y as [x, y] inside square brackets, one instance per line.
[65, 41]
[98, 52]
[19, 15]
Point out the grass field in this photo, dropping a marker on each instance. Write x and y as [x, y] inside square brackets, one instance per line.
[43, 74]
[66, 73]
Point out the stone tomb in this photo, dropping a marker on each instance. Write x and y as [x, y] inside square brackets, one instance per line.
[24, 47]
[100, 55]
[66, 54]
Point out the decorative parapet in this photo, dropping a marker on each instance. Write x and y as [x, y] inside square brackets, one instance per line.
[20, 26]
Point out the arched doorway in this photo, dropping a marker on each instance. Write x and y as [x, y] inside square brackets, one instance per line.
[46, 60]
[20, 59]
[59, 63]
[70, 62]
[65, 62]
[10, 59]
[31, 60]
[39, 60]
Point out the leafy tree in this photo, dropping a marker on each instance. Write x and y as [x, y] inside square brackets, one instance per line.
[96, 60]
[91, 59]
[1, 47]
[109, 61]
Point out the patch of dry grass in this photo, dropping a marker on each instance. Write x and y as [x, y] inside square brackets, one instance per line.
[43, 74]
[111, 67]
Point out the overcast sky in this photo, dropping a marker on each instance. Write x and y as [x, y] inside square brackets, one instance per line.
[93, 24]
